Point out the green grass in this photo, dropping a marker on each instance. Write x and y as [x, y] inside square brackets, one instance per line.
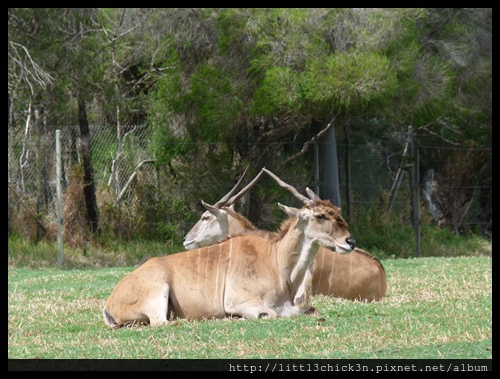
[386, 240]
[434, 308]
[113, 254]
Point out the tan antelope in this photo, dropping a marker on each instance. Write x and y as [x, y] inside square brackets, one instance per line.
[249, 276]
[355, 276]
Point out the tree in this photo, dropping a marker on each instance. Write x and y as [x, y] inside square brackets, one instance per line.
[452, 106]
[62, 40]
[28, 81]
[224, 87]
[262, 78]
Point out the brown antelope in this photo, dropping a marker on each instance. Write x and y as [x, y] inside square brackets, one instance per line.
[247, 276]
[355, 276]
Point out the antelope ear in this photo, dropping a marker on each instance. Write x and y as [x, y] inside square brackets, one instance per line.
[290, 211]
[213, 210]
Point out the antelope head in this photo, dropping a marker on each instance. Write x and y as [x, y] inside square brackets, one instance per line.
[323, 225]
[213, 225]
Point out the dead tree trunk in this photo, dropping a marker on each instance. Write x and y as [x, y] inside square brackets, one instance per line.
[88, 177]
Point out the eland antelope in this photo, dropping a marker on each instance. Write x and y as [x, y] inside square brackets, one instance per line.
[355, 276]
[249, 276]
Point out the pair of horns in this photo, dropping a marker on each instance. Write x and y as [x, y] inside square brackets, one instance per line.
[227, 200]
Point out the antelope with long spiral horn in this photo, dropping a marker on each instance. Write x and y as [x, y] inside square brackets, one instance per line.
[356, 276]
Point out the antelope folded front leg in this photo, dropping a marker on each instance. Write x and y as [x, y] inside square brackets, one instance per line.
[253, 309]
[156, 308]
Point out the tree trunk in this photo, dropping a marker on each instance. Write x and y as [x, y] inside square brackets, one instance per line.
[331, 174]
[88, 178]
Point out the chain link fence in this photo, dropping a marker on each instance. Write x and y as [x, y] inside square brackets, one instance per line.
[132, 191]
[117, 158]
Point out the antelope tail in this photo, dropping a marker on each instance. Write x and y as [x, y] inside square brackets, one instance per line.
[108, 319]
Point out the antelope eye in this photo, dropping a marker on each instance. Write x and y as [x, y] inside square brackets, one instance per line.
[205, 218]
[320, 216]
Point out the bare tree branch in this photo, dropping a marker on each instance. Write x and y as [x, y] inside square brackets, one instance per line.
[439, 121]
[39, 76]
[313, 140]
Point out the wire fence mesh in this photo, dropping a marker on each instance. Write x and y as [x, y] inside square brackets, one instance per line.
[130, 188]
[32, 169]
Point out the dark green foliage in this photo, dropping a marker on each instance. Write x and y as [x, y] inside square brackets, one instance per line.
[278, 93]
[222, 88]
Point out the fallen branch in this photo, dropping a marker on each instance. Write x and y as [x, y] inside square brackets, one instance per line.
[131, 178]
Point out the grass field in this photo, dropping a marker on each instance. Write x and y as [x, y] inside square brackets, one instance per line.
[438, 308]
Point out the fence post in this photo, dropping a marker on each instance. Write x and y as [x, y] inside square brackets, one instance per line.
[316, 167]
[417, 195]
[59, 198]
[415, 190]
[348, 183]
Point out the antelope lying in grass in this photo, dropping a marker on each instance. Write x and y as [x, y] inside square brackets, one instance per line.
[355, 276]
[250, 276]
